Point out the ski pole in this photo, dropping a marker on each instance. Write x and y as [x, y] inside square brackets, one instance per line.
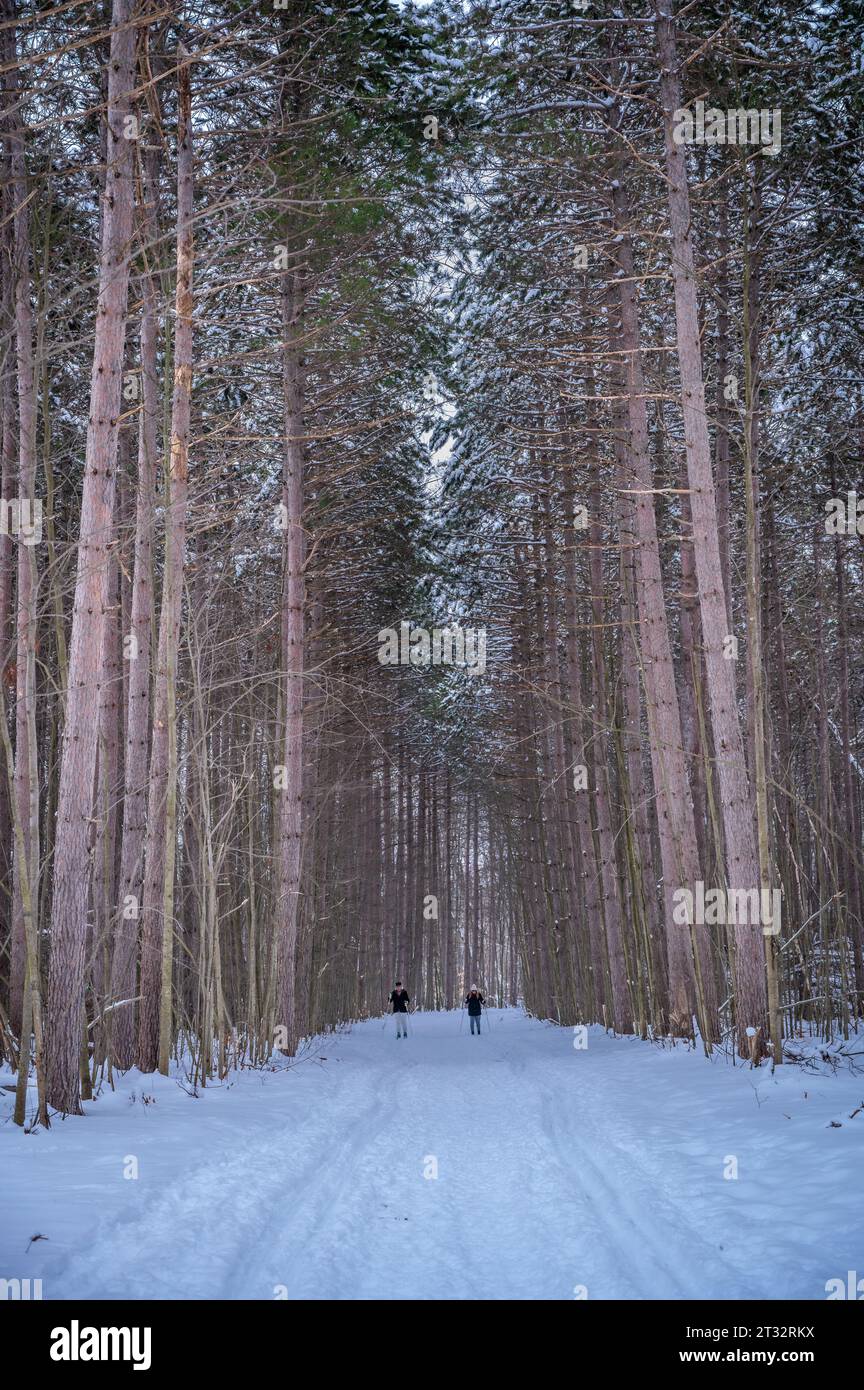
[461, 1018]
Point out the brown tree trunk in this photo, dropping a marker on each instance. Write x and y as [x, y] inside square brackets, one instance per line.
[70, 900]
[121, 1024]
[26, 769]
[721, 443]
[622, 1011]
[583, 837]
[8, 462]
[108, 790]
[287, 897]
[157, 943]
[851, 838]
[742, 861]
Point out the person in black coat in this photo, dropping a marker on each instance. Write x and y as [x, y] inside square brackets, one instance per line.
[474, 1001]
[400, 1001]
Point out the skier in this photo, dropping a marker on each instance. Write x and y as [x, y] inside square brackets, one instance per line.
[475, 1007]
[400, 1001]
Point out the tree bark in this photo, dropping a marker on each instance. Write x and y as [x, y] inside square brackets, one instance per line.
[293, 639]
[70, 899]
[26, 768]
[138, 653]
[157, 944]
[742, 861]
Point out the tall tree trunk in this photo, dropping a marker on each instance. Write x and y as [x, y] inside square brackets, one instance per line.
[108, 791]
[756, 701]
[851, 839]
[622, 1011]
[742, 860]
[8, 463]
[157, 946]
[583, 837]
[138, 643]
[636, 782]
[721, 441]
[293, 639]
[70, 899]
[26, 768]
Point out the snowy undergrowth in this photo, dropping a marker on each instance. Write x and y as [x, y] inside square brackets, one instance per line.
[444, 1166]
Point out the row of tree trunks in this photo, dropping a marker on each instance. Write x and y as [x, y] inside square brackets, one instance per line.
[691, 989]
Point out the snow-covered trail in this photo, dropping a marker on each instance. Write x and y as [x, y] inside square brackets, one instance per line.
[558, 1170]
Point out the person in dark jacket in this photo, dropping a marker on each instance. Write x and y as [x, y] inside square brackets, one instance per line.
[400, 1001]
[474, 1001]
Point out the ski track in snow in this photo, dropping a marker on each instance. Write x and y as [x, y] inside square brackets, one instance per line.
[557, 1168]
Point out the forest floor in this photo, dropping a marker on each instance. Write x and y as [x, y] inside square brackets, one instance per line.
[561, 1172]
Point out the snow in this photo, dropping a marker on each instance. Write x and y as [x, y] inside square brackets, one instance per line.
[559, 1169]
